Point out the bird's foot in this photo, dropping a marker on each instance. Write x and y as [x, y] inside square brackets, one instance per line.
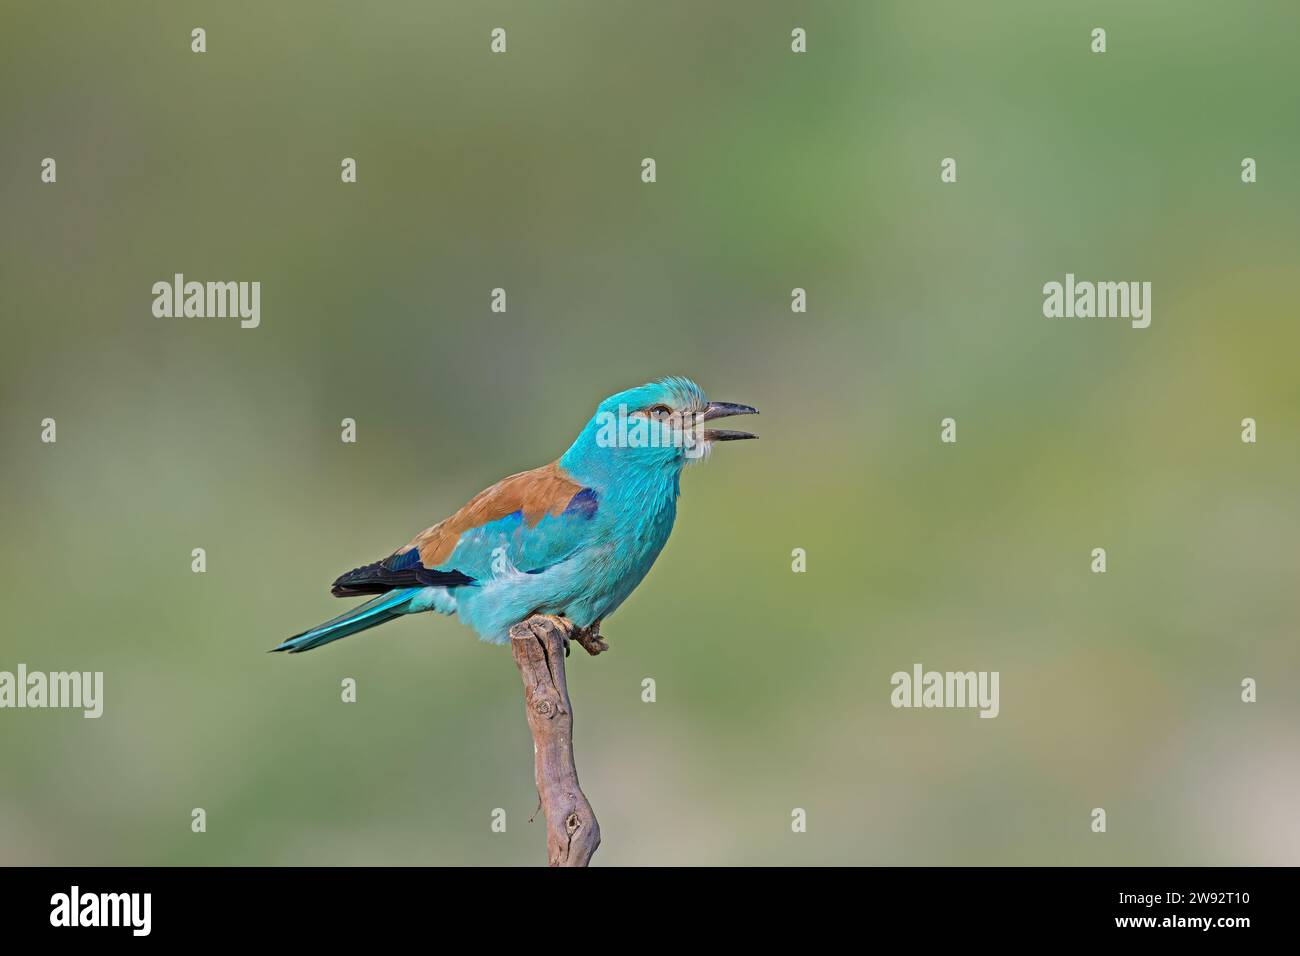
[588, 637]
[562, 624]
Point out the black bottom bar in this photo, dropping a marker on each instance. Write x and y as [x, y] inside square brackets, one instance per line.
[334, 905]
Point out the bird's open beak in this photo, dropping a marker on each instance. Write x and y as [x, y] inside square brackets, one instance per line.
[725, 410]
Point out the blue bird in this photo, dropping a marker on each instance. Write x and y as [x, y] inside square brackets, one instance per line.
[571, 539]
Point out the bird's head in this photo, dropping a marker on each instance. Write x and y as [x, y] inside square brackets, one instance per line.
[656, 426]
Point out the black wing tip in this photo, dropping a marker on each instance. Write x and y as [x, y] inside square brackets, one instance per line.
[379, 578]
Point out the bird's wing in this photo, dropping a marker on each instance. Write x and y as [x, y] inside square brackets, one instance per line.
[527, 522]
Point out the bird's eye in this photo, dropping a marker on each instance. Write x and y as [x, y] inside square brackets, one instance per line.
[660, 411]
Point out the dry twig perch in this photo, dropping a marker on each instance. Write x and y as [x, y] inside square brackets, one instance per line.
[539, 645]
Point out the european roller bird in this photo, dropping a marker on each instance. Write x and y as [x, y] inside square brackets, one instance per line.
[571, 539]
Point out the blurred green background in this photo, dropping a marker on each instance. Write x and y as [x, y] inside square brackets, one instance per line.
[775, 170]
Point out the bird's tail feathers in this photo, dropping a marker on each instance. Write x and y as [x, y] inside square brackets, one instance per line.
[374, 612]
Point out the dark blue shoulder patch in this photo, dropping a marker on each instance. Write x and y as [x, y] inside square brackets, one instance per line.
[400, 562]
[583, 503]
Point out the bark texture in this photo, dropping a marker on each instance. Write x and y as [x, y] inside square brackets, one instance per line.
[539, 645]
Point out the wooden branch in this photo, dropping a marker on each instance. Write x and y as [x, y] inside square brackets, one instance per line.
[572, 833]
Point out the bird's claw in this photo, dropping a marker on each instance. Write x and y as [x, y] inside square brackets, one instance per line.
[588, 637]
